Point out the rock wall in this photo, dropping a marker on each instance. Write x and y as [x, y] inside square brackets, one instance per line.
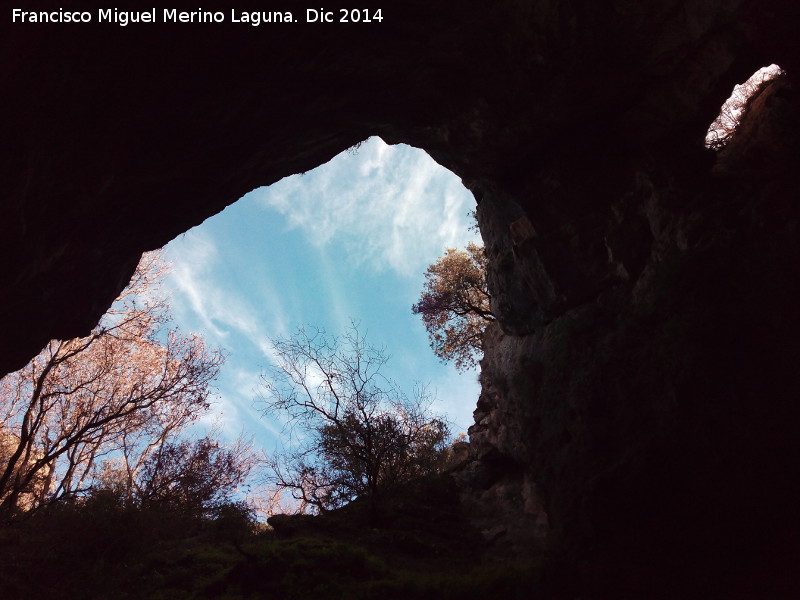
[637, 420]
[647, 386]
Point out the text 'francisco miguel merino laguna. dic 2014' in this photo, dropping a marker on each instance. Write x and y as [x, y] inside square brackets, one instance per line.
[172, 15]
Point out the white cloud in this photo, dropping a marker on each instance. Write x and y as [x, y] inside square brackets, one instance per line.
[219, 310]
[225, 317]
[390, 206]
[190, 253]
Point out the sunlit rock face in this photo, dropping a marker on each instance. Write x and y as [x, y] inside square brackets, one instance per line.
[639, 406]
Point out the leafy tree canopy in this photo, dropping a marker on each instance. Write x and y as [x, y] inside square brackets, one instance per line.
[455, 305]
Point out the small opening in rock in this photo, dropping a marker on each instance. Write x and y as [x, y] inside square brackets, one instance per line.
[726, 124]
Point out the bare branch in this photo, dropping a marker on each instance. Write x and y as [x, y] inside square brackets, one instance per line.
[360, 436]
[122, 386]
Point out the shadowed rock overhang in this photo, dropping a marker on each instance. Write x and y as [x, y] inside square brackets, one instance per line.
[637, 389]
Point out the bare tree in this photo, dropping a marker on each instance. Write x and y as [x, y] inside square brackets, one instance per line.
[454, 305]
[124, 388]
[357, 435]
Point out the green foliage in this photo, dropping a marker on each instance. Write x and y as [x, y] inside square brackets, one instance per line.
[361, 435]
[193, 477]
[497, 580]
[103, 548]
[234, 520]
[400, 449]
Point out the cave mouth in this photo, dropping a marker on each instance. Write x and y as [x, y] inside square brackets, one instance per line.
[725, 126]
[350, 239]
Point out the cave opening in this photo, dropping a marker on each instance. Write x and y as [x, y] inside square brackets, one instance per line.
[725, 126]
[645, 373]
[350, 239]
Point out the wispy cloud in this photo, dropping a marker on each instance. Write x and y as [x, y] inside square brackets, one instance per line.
[226, 319]
[241, 278]
[200, 299]
[389, 206]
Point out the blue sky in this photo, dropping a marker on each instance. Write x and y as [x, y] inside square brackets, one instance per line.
[348, 240]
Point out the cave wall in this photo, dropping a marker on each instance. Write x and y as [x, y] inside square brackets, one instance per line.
[650, 417]
[637, 420]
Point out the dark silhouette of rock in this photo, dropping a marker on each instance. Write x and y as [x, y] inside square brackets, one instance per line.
[638, 420]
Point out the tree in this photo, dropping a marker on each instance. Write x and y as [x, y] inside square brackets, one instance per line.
[359, 435]
[455, 305]
[193, 477]
[124, 389]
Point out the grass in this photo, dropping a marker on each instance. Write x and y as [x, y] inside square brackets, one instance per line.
[421, 548]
